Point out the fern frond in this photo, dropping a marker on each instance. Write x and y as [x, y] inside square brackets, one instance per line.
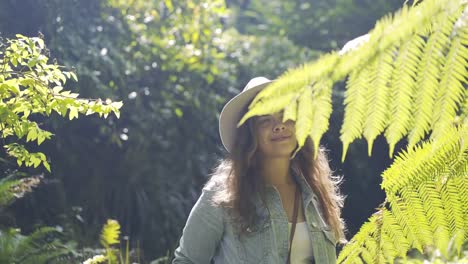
[294, 81]
[454, 74]
[357, 86]
[427, 80]
[377, 98]
[402, 90]
[454, 212]
[412, 202]
[432, 203]
[427, 210]
[110, 233]
[304, 119]
[34, 240]
[321, 111]
[352, 250]
[462, 182]
[464, 110]
[400, 101]
[7, 195]
[314, 110]
[290, 112]
[396, 233]
[268, 106]
[427, 159]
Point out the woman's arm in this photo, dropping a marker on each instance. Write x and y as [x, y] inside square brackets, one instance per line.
[202, 232]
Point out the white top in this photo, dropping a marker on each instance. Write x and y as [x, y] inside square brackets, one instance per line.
[301, 250]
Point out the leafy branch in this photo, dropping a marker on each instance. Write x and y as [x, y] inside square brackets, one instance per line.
[31, 85]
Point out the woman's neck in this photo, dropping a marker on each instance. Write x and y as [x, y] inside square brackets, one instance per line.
[276, 171]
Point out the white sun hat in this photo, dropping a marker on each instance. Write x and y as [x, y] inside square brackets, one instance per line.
[234, 110]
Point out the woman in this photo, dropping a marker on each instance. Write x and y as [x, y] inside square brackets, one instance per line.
[262, 205]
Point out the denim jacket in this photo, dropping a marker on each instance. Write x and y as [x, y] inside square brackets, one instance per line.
[209, 234]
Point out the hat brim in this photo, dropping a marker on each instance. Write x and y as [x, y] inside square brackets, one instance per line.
[233, 112]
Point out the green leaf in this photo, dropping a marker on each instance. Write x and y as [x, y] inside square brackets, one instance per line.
[267, 106]
[73, 112]
[304, 116]
[178, 112]
[46, 165]
[110, 233]
[32, 134]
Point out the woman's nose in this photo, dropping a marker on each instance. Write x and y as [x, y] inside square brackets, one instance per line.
[279, 126]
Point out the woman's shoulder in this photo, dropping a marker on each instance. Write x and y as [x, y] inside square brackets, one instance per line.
[217, 189]
[219, 179]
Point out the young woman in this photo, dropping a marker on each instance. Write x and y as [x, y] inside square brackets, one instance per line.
[262, 205]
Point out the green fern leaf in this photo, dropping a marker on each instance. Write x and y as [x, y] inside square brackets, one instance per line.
[321, 111]
[396, 233]
[350, 253]
[420, 162]
[451, 90]
[402, 90]
[357, 86]
[110, 233]
[296, 80]
[428, 78]
[377, 98]
[304, 118]
[434, 209]
[290, 112]
[429, 209]
[268, 106]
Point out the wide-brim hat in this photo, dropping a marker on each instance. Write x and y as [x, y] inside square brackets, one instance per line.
[235, 109]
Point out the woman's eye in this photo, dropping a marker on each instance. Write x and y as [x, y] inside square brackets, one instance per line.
[264, 121]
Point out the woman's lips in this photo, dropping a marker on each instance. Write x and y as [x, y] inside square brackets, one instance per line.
[280, 138]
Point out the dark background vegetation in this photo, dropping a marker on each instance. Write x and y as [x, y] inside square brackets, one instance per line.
[174, 64]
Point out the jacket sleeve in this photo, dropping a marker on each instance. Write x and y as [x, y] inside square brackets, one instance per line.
[202, 232]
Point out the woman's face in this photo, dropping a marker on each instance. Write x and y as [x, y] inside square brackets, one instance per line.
[275, 138]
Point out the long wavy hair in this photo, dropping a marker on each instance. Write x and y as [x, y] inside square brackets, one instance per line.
[236, 180]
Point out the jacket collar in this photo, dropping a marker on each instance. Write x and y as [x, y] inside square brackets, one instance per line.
[261, 205]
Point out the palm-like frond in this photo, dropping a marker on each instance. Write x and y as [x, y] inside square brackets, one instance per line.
[426, 203]
[405, 79]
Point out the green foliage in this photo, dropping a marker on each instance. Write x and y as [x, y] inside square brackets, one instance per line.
[146, 168]
[109, 237]
[406, 77]
[31, 86]
[40, 247]
[12, 188]
[173, 85]
[319, 25]
[433, 256]
[426, 204]
[396, 71]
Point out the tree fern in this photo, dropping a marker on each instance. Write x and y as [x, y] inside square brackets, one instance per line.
[406, 78]
[414, 63]
[421, 211]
